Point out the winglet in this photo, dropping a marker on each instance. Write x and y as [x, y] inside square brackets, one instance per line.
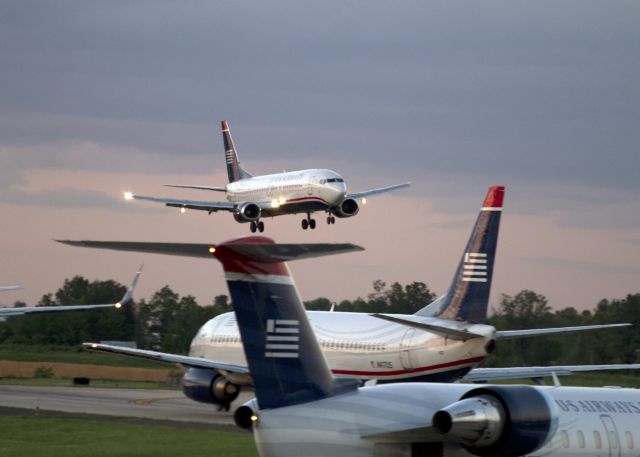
[126, 298]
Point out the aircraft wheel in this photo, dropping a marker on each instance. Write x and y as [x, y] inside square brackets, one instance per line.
[253, 227]
[261, 226]
[312, 224]
[329, 220]
[305, 224]
[333, 220]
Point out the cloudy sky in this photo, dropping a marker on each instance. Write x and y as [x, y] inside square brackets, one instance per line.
[543, 97]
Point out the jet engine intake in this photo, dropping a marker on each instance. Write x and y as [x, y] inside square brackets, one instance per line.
[507, 421]
[208, 386]
[348, 208]
[247, 212]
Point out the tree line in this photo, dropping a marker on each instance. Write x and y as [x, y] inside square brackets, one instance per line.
[167, 322]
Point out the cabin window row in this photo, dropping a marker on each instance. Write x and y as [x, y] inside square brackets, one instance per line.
[598, 439]
[352, 345]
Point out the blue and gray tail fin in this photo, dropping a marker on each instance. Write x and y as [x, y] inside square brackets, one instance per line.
[468, 296]
[234, 170]
[285, 360]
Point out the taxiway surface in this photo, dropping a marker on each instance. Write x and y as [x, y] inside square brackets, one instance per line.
[167, 405]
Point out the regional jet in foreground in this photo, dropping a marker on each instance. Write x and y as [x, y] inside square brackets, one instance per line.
[301, 410]
[252, 198]
[444, 341]
[8, 312]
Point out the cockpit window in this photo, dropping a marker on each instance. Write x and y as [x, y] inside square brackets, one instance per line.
[335, 180]
[339, 180]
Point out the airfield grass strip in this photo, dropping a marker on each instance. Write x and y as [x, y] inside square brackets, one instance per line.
[29, 436]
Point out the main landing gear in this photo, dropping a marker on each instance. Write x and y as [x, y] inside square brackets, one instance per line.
[308, 222]
[259, 226]
[331, 220]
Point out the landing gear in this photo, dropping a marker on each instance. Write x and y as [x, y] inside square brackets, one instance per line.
[259, 226]
[308, 222]
[331, 220]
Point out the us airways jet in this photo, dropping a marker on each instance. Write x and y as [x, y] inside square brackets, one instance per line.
[301, 410]
[126, 298]
[444, 341]
[252, 198]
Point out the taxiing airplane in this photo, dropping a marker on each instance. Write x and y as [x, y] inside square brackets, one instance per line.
[8, 312]
[301, 410]
[252, 198]
[444, 341]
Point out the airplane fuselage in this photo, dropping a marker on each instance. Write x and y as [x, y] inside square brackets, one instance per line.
[357, 345]
[583, 422]
[291, 192]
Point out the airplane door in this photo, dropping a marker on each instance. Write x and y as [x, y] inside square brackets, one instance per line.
[310, 187]
[613, 439]
[405, 348]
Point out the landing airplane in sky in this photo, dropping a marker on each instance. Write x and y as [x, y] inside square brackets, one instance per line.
[8, 312]
[301, 410]
[444, 341]
[252, 198]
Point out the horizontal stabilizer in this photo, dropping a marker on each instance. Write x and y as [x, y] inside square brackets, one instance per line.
[435, 327]
[263, 252]
[186, 186]
[510, 334]
[496, 374]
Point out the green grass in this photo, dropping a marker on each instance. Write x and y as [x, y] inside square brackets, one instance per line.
[69, 354]
[102, 383]
[35, 437]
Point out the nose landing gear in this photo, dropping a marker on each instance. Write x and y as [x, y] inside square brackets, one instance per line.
[331, 220]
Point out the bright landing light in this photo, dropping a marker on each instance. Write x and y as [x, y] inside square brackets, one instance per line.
[183, 210]
[275, 203]
[128, 196]
[364, 201]
[118, 305]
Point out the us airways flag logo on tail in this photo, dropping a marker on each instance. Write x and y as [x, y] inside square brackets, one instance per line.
[475, 267]
[282, 338]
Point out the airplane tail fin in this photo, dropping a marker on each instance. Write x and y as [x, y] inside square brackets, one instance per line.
[468, 296]
[234, 170]
[285, 360]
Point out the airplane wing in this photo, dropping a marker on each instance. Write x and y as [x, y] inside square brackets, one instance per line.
[380, 190]
[187, 186]
[495, 374]
[8, 312]
[240, 372]
[510, 334]
[8, 288]
[202, 205]
[281, 252]
[431, 325]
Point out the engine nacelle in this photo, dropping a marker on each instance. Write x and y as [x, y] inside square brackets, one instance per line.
[507, 421]
[208, 386]
[348, 208]
[247, 212]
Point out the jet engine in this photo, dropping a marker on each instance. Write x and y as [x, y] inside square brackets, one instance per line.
[208, 386]
[247, 212]
[349, 207]
[507, 421]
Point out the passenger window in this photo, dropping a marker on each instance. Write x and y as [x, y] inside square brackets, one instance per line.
[565, 439]
[629, 440]
[581, 442]
[597, 440]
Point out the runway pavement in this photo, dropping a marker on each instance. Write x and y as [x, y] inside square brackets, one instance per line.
[162, 405]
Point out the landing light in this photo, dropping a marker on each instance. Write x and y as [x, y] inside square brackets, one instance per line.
[282, 200]
[364, 201]
[183, 210]
[275, 203]
[128, 196]
[254, 418]
[118, 305]
[212, 249]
